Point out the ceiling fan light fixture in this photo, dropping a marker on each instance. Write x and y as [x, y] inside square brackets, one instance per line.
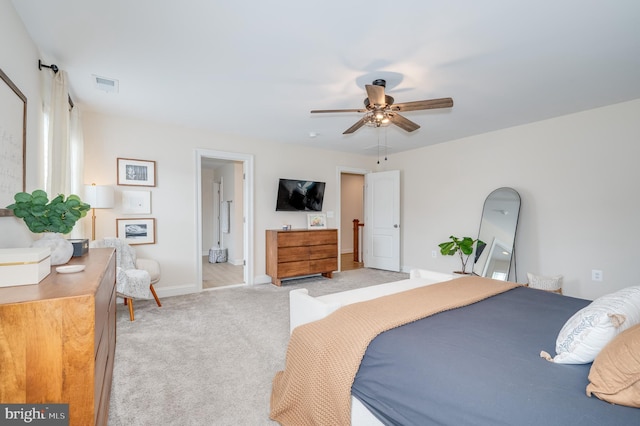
[380, 109]
[376, 118]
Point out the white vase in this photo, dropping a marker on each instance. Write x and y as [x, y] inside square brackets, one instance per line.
[61, 248]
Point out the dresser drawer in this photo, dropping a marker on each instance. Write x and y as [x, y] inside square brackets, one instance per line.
[292, 239]
[102, 355]
[323, 237]
[323, 265]
[103, 298]
[323, 251]
[292, 269]
[292, 254]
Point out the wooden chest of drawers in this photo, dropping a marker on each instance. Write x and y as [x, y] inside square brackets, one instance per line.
[301, 252]
[58, 339]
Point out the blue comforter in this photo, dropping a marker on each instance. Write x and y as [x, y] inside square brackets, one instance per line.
[481, 365]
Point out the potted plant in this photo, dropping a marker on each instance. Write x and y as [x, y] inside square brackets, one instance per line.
[462, 246]
[50, 218]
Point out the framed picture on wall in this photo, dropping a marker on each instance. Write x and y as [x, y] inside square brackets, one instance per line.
[137, 231]
[13, 130]
[136, 172]
[136, 202]
[316, 221]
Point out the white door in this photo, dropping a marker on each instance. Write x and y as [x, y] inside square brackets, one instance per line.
[382, 220]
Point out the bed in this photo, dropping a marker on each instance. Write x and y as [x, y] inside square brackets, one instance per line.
[478, 363]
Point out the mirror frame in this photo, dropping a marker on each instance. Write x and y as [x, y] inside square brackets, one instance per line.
[484, 264]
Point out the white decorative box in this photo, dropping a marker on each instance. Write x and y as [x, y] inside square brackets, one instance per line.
[23, 266]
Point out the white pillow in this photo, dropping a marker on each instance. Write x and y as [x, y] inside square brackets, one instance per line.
[590, 329]
[545, 283]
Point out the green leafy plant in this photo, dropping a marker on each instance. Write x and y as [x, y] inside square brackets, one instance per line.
[462, 246]
[42, 215]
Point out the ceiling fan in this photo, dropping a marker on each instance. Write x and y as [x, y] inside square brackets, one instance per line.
[380, 110]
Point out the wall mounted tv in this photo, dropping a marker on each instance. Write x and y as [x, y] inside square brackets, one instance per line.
[300, 195]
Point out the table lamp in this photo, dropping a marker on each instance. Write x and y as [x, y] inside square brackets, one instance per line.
[98, 197]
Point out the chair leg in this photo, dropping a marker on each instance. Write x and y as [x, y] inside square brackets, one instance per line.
[155, 296]
[129, 302]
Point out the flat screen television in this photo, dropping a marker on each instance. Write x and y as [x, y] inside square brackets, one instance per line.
[300, 195]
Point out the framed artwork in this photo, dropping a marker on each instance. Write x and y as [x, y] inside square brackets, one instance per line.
[13, 131]
[136, 172]
[137, 231]
[316, 221]
[136, 202]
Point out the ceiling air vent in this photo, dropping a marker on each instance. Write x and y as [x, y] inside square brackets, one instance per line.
[105, 84]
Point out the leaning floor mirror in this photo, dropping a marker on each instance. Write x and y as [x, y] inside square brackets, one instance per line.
[497, 234]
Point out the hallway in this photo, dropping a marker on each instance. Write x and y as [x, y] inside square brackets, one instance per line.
[347, 262]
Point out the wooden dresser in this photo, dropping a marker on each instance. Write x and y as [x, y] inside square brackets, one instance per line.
[301, 252]
[58, 339]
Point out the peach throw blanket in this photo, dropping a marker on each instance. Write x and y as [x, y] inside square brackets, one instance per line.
[323, 356]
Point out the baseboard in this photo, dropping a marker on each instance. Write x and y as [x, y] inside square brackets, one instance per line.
[407, 269]
[181, 290]
[176, 290]
[262, 279]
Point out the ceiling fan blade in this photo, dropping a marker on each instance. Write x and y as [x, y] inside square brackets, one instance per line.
[337, 110]
[403, 123]
[355, 127]
[419, 105]
[376, 95]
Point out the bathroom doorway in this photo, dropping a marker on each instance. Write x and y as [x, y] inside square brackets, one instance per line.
[224, 219]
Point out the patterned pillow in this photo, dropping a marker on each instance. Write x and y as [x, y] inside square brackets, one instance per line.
[590, 329]
[545, 283]
[615, 373]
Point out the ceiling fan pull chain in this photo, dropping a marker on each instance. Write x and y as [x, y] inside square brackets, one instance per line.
[386, 147]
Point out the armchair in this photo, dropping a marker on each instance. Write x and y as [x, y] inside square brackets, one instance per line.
[134, 276]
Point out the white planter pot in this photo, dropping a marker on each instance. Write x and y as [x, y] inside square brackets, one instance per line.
[61, 248]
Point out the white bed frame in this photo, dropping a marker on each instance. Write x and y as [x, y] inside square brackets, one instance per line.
[304, 308]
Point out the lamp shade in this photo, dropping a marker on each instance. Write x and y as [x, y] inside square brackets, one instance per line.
[99, 196]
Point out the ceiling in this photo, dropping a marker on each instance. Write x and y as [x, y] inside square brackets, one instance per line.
[256, 69]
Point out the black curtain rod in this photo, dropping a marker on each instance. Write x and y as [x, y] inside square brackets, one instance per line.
[52, 67]
[55, 69]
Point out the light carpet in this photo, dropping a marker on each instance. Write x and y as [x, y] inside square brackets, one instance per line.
[209, 358]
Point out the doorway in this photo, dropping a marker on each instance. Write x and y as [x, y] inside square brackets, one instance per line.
[224, 208]
[350, 206]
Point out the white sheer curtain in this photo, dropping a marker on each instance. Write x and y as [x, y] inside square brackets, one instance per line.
[63, 143]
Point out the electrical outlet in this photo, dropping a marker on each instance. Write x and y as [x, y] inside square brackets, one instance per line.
[434, 254]
[596, 275]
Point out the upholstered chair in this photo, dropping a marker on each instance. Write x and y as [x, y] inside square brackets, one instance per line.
[134, 276]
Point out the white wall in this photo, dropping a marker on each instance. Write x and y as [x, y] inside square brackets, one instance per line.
[578, 177]
[19, 61]
[174, 197]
